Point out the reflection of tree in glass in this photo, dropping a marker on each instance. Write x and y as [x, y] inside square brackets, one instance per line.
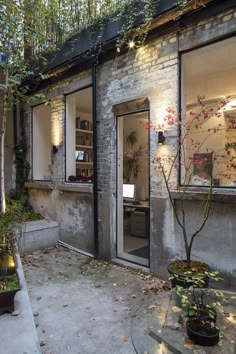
[132, 158]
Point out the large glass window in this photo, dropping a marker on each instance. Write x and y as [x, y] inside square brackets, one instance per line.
[133, 212]
[79, 136]
[209, 115]
[41, 143]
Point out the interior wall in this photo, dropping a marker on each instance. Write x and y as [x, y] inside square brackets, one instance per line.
[78, 104]
[133, 123]
[42, 143]
[209, 73]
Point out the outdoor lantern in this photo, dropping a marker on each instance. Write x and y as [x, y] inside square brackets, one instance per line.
[161, 138]
[11, 265]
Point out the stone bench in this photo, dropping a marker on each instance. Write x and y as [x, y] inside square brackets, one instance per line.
[37, 235]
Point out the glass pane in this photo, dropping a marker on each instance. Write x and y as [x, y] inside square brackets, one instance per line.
[209, 116]
[79, 136]
[133, 188]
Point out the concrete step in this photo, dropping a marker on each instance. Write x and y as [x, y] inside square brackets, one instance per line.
[37, 235]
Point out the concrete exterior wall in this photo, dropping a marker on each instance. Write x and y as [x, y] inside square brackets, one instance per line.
[71, 207]
[38, 235]
[151, 71]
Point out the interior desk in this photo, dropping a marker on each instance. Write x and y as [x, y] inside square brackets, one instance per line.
[139, 218]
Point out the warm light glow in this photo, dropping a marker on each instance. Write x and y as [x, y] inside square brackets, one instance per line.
[131, 44]
[11, 263]
[230, 106]
[56, 133]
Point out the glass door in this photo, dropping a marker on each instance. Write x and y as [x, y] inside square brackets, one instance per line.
[133, 212]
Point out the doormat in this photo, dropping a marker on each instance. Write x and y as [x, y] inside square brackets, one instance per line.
[140, 252]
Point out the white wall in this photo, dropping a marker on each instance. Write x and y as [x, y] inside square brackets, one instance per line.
[133, 123]
[78, 104]
[211, 73]
[41, 143]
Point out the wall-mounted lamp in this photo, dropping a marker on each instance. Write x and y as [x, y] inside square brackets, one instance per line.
[54, 149]
[131, 44]
[161, 138]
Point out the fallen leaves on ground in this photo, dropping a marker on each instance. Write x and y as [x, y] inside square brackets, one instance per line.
[188, 344]
[176, 309]
[125, 339]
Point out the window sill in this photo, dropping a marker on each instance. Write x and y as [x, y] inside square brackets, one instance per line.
[77, 188]
[222, 195]
[39, 185]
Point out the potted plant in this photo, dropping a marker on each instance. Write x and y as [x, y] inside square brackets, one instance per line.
[7, 243]
[201, 310]
[200, 166]
[9, 285]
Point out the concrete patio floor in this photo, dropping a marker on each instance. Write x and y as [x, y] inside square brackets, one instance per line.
[87, 306]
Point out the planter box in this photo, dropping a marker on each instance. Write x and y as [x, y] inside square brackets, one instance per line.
[38, 235]
[7, 301]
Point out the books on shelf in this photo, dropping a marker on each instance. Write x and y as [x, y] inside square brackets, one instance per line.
[84, 156]
[82, 139]
[83, 124]
[84, 150]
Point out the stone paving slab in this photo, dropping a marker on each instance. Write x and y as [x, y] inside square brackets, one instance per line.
[164, 326]
[84, 306]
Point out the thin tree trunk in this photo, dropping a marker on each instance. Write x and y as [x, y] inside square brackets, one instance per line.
[2, 153]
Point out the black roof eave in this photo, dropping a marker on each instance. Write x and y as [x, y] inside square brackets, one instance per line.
[81, 43]
[80, 61]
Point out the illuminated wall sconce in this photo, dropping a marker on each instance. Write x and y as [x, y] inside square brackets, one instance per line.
[161, 138]
[131, 44]
[54, 149]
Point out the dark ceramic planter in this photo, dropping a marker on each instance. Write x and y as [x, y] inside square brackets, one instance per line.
[202, 336]
[184, 280]
[7, 301]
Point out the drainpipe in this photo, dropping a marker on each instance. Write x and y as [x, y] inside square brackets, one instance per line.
[95, 182]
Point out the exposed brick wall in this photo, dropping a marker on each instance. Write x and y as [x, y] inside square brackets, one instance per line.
[151, 71]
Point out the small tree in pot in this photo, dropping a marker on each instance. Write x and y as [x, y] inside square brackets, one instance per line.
[201, 163]
[201, 306]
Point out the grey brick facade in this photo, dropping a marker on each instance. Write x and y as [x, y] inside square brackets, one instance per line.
[150, 71]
